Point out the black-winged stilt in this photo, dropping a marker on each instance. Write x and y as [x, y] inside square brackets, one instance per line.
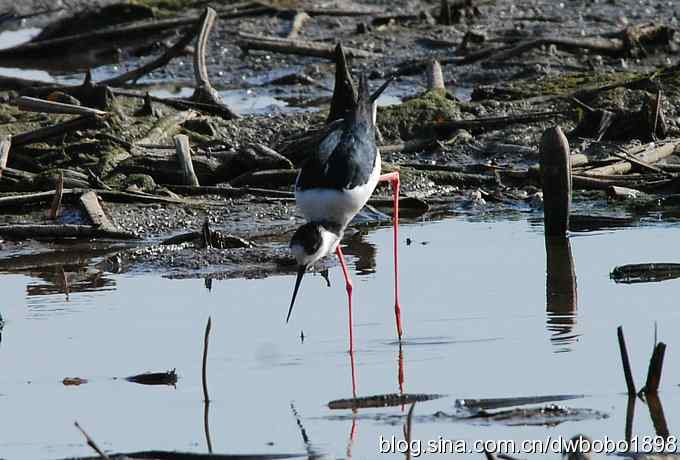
[333, 186]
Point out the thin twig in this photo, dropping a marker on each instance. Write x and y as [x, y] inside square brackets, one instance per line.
[206, 398]
[58, 193]
[33, 104]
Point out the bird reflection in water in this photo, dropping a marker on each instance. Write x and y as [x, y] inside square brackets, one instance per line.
[375, 401]
[364, 257]
[363, 251]
[560, 292]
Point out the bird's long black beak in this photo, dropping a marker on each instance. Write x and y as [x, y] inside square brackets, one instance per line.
[374, 97]
[301, 272]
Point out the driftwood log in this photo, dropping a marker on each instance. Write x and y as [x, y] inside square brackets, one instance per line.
[209, 169]
[300, 47]
[647, 155]
[24, 231]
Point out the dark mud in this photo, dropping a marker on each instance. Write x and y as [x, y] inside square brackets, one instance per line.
[535, 81]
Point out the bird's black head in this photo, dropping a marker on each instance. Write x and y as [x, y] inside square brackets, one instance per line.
[306, 241]
[365, 110]
[309, 243]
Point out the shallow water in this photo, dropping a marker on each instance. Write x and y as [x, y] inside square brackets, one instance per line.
[476, 322]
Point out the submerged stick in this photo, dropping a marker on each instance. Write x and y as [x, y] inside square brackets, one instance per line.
[91, 443]
[204, 374]
[628, 374]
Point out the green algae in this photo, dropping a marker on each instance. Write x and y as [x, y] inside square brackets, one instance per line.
[413, 118]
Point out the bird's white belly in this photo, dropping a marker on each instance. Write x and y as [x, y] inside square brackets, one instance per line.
[338, 206]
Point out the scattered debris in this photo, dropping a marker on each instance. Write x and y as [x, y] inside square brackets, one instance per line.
[154, 378]
[386, 400]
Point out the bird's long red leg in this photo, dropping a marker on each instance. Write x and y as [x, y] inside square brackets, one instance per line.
[348, 285]
[393, 179]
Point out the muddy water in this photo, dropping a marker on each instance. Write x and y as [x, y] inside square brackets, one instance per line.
[477, 326]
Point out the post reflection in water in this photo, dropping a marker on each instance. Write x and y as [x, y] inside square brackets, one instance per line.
[560, 292]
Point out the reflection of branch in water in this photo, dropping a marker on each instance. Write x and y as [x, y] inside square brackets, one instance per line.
[66, 280]
[312, 453]
[630, 415]
[657, 415]
[63, 282]
[561, 294]
[72, 257]
[206, 425]
[204, 381]
[364, 252]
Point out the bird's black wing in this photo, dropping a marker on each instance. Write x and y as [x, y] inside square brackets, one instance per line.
[348, 166]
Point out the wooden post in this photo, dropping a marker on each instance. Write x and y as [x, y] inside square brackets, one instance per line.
[435, 77]
[184, 157]
[556, 179]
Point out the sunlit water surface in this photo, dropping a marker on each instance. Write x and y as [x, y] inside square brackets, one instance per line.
[477, 326]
